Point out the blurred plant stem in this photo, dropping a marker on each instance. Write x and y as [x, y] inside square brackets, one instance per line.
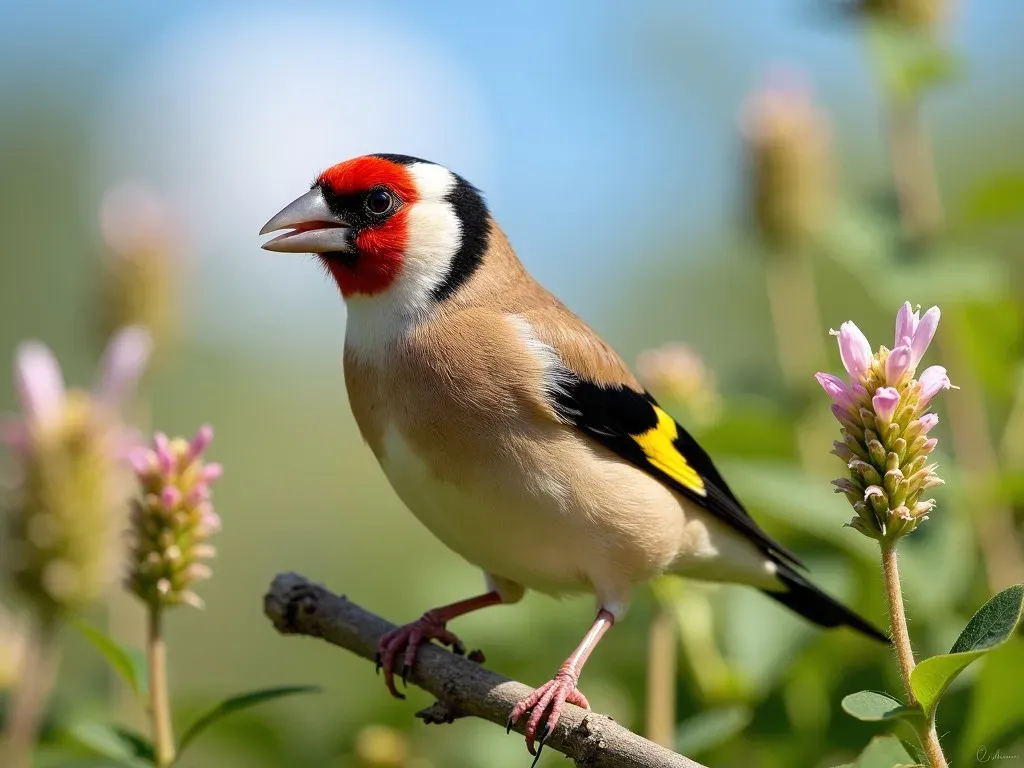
[661, 678]
[799, 336]
[123, 617]
[922, 216]
[159, 700]
[905, 653]
[28, 701]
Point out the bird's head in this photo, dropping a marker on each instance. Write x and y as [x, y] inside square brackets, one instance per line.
[388, 227]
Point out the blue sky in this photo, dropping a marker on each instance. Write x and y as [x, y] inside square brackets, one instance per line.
[587, 124]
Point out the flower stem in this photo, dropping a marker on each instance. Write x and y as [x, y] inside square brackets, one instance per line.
[905, 653]
[661, 678]
[159, 701]
[17, 743]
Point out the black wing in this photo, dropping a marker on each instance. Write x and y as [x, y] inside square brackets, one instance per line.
[635, 427]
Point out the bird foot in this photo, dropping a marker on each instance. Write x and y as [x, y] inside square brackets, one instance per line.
[546, 704]
[406, 640]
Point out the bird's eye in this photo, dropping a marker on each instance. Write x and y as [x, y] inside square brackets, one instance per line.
[379, 202]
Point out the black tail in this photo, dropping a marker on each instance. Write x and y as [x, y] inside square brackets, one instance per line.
[813, 604]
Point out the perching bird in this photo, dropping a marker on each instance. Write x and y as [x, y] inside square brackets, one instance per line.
[509, 427]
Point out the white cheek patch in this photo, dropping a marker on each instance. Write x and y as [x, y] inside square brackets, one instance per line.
[434, 237]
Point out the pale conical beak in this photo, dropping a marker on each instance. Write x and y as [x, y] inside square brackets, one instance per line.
[315, 228]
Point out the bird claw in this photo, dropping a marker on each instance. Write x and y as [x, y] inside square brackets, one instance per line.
[545, 732]
[403, 642]
[546, 704]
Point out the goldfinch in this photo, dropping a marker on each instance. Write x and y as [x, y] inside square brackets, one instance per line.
[511, 429]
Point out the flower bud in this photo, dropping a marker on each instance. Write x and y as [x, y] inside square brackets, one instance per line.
[789, 149]
[677, 374]
[922, 15]
[71, 487]
[884, 436]
[141, 285]
[171, 520]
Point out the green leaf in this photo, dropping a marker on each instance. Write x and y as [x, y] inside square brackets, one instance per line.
[997, 709]
[876, 707]
[236, 703]
[884, 752]
[988, 628]
[113, 742]
[909, 62]
[991, 625]
[710, 728]
[995, 201]
[129, 663]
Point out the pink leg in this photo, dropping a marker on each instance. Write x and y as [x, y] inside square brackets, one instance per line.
[430, 626]
[551, 697]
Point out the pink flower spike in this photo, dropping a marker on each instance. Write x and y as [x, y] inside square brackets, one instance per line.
[896, 364]
[39, 381]
[854, 350]
[923, 335]
[906, 324]
[170, 497]
[142, 459]
[164, 457]
[212, 472]
[199, 493]
[932, 380]
[834, 387]
[928, 422]
[122, 366]
[885, 401]
[202, 440]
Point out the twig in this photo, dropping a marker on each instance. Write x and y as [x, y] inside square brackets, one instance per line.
[295, 605]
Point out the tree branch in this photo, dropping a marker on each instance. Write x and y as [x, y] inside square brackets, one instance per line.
[297, 606]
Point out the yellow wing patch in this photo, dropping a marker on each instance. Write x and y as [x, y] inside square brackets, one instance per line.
[658, 444]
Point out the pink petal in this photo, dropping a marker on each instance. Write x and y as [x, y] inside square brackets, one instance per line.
[885, 401]
[932, 380]
[39, 381]
[928, 422]
[906, 324]
[923, 335]
[854, 350]
[212, 472]
[142, 459]
[123, 364]
[164, 457]
[897, 364]
[202, 440]
[834, 387]
[170, 497]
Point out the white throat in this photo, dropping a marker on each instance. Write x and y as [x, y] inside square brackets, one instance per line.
[378, 322]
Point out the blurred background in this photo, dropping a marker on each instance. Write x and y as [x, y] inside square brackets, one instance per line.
[731, 176]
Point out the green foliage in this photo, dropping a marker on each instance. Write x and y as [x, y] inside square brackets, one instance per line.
[997, 711]
[876, 707]
[121, 745]
[236, 704]
[884, 752]
[996, 200]
[128, 663]
[909, 62]
[991, 626]
[710, 729]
